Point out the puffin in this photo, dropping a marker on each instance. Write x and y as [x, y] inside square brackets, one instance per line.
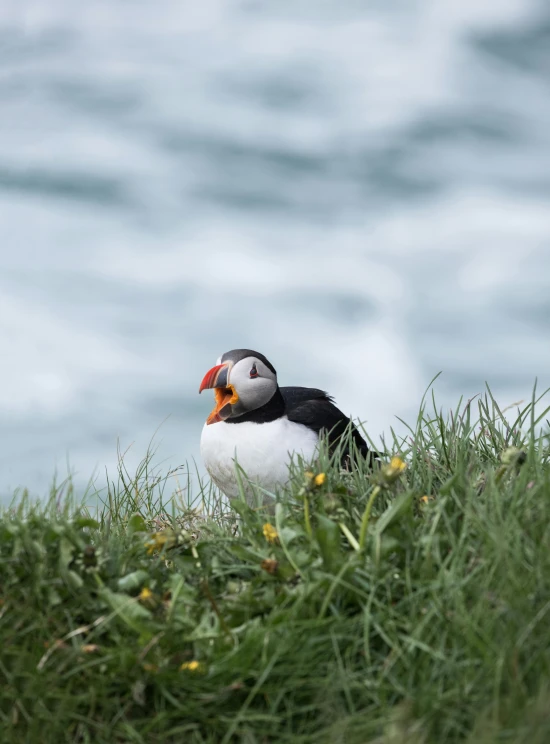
[256, 427]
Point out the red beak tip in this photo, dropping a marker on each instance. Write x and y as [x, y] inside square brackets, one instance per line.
[210, 378]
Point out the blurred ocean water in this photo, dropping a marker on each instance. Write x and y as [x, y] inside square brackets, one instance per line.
[360, 191]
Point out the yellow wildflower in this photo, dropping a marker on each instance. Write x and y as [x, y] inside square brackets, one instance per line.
[157, 542]
[270, 533]
[191, 666]
[425, 499]
[145, 594]
[320, 479]
[398, 464]
[391, 471]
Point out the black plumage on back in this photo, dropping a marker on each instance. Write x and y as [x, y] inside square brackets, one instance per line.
[315, 409]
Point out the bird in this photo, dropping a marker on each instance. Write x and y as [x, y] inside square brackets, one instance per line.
[256, 427]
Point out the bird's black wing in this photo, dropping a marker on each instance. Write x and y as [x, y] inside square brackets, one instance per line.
[314, 408]
[294, 396]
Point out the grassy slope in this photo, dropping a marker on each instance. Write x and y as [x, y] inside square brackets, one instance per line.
[423, 620]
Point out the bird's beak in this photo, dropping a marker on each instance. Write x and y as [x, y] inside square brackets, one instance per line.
[224, 392]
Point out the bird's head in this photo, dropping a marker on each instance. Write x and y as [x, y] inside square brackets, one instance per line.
[243, 380]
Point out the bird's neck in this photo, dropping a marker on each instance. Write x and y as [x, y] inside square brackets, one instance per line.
[273, 409]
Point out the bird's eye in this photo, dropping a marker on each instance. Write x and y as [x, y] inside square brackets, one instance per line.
[254, 371]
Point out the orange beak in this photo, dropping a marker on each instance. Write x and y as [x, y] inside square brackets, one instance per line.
[224, 393]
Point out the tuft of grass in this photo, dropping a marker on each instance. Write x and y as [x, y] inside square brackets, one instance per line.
[405, 605]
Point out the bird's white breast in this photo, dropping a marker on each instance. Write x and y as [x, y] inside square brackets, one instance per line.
[263, 451]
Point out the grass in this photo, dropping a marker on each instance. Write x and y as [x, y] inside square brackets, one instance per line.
[405, 606]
